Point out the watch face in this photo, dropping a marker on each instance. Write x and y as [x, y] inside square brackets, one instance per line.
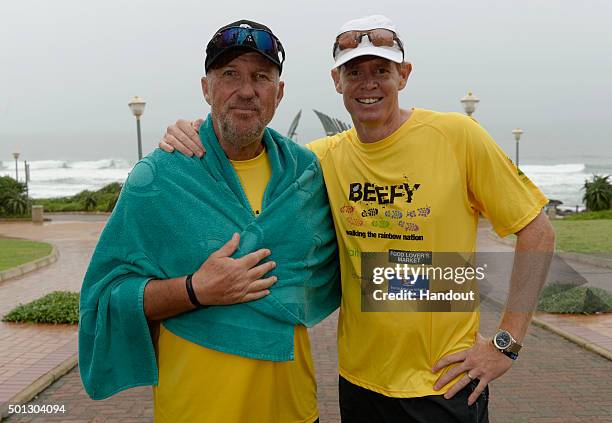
[503, 340]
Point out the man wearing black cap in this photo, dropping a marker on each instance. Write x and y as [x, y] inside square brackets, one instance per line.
[233, 388]
[221, 356]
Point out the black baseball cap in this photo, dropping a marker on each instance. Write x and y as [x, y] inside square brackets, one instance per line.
[248, 35]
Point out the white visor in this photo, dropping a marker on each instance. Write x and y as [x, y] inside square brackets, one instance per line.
[365, 47]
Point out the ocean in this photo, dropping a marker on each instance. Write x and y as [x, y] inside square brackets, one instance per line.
[57, 178]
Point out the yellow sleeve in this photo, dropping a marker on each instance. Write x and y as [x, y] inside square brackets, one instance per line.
[321, 146]
[496, 187]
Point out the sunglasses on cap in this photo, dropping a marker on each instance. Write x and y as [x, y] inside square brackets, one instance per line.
[257, 39]
[379, 37]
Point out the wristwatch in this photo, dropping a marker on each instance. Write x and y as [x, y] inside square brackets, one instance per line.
[506, 344]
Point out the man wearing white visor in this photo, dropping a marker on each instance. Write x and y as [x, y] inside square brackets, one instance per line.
[374, 35]
[405, 183]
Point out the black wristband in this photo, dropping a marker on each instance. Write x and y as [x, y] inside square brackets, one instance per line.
[191, 292]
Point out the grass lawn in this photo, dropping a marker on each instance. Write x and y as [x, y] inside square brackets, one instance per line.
[585, 236]
[14, 252]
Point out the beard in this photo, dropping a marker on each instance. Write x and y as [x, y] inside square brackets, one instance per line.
[238, 135]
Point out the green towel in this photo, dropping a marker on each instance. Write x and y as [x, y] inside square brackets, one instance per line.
[173, 212]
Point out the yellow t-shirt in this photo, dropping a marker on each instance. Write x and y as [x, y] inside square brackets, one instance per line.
[198, 384]
[424, 184]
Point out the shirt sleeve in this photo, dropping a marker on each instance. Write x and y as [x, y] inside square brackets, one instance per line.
[321, 146]
[497, 188]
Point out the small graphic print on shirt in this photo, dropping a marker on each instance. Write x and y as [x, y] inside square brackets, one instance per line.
[393, 214]
[409, 226]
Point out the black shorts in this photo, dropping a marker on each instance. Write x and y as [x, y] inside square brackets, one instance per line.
[360, 405]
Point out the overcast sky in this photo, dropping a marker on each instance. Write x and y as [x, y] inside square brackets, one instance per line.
[68, 68]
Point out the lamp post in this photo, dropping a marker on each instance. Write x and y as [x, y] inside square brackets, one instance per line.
[137, 106]
[26, 168]
[16, 156]
[517, 136]
[469, 103]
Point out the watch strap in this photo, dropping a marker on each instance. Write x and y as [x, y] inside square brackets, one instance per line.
[514, 347]
[510, 354]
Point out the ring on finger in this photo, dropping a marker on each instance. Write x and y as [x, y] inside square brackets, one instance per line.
[469, 376]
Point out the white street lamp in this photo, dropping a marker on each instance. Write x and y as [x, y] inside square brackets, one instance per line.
[137, 105]
[469, 103]
[517, 136]
[16, 156]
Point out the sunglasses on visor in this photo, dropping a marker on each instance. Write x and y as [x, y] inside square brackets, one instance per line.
[378, 37]
[257, 39]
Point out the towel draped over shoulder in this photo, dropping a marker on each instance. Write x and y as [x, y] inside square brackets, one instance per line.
[173, 212]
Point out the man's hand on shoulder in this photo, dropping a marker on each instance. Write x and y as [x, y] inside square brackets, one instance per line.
[183, 137]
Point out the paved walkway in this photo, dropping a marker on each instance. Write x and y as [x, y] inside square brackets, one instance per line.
[594, 329]
[30, 351]
[555, 380]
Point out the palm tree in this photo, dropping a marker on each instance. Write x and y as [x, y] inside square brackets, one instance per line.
[598, 193]
[13, 200]
[14, 204]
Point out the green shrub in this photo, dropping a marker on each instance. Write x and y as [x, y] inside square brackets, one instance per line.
[56, 307]
[562, 298]
[59, 205]
[89, 200]
[114, 188]
[102, 200]
[112, 202]
[14, 204]
[598, 193]
[68, 207]
[8, 184]
[13, 200]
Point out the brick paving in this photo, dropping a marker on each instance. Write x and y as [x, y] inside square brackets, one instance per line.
[554, 380]
[29, 351]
